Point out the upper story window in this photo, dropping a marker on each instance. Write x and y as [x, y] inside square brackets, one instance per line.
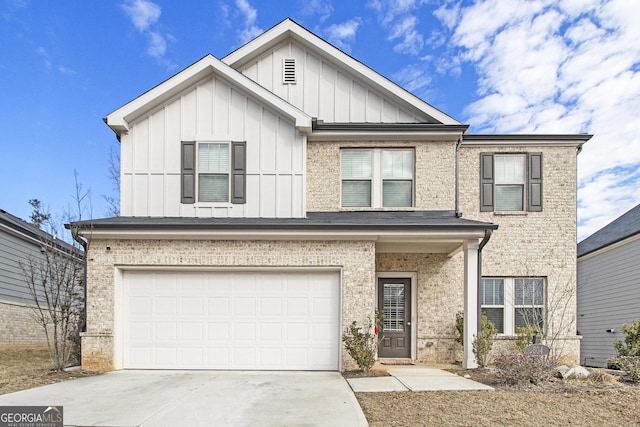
[377, 178]
[213, 172]
[511, 182]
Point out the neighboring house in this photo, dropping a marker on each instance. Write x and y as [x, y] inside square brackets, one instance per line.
[21, 245]
[273, 197]
[608, 286]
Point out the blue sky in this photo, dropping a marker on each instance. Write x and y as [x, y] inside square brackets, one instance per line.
[502, 66]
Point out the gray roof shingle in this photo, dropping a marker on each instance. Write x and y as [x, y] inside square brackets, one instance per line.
[625, 226]
[314, 220]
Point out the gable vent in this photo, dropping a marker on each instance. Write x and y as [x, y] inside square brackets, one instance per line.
[288, 71]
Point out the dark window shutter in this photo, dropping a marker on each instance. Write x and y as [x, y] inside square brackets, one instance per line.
[486, 182]
[535, 182]
[188, 172]
[239, 172]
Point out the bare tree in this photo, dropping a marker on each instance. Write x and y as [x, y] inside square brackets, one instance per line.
[114, 176]
[56, 280]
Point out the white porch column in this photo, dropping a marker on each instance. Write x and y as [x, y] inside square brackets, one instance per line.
[470, 302]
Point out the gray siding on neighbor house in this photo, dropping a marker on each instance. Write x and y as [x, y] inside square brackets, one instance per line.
[608, 297]
[15, 250]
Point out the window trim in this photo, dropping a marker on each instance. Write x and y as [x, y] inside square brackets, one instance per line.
[237, 170]
[509, 303]
[533, 186]
[377, 180]
[200, 173]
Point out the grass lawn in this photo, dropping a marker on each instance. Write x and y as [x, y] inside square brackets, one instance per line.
[27, 367]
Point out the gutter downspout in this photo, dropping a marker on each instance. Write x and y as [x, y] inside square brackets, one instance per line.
[457, 202]
[85, 246]
[485, 240]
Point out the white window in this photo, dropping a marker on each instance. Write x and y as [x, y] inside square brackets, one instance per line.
[213, 172]
[509, 182]
[377, 178]
[513, 302]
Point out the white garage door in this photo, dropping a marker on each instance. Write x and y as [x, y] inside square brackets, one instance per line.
[231, 320]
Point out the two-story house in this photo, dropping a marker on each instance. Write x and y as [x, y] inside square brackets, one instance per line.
[273, 197]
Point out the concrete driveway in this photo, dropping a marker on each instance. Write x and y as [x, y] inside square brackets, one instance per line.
[194, 398]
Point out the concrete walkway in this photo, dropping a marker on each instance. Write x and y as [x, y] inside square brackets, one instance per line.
[415, 378]
[199, 398]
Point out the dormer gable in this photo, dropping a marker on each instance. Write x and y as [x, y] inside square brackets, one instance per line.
[325, 82]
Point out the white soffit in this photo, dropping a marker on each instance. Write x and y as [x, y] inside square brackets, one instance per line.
[290, 29]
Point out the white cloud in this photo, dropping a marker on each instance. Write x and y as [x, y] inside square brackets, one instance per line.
[560, 67]
[342, 35]
[413, 78]
[143, 13]
[145, 17]
[249, 14]
[411, 40]
[399, 19]
[320, 8]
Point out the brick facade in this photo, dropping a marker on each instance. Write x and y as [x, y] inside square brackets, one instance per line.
[534, 244]
[19, 327]
[434, 173]
[356, 259]
[440, 293]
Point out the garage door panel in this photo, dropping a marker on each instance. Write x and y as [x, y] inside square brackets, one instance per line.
[297, 306]
[231, 320]
[270, 333]
[166, 331]
[244, 306]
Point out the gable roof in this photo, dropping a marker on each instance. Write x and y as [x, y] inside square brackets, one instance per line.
[120, 120]
[290, 29]
[626, 226]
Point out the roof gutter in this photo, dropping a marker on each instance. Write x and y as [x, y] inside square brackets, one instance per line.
[85, 246]
[457, 183]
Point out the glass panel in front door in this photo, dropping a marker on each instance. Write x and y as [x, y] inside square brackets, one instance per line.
[393, 307]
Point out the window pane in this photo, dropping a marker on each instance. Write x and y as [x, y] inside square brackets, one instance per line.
[529, 291]
[356, 193]
[492, 292]
[509, 169]
[213, 157]
[496, 315]
[393, 307]
[397, 193]
[356, 164]
[213, 188]
[526, 317]
[397, 164]
[509, 197]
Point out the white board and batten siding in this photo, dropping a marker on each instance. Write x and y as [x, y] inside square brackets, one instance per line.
[323, 90]
[213, 110]
[608, 297]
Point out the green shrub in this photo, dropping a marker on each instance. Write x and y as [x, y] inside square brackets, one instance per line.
[631, 365]
[628, 358]
[631, 344]
[525, 336]
[362, 345]
[484, 340]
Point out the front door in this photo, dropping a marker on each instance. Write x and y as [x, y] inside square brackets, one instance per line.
[394, 302]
